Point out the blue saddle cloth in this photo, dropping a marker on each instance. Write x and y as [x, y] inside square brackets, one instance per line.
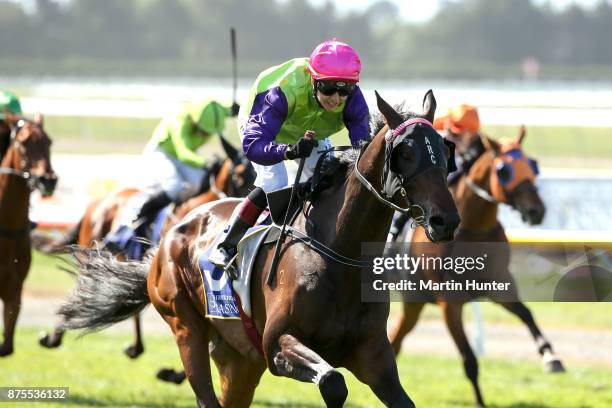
[127, 241]
[220, 296]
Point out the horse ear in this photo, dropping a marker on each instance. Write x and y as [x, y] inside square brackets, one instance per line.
[429, 106]
[522, 134]
[39, 119]
[489, 143]
[230, 150]
[393, 118]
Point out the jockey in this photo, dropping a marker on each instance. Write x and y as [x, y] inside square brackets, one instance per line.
[10, 111]
[461, 126]
[177, 166]
[319, 93]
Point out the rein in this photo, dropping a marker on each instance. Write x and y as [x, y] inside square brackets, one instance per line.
[480, 192]
[322, 248]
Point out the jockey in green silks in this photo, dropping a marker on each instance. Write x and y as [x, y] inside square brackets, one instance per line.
[178, 169]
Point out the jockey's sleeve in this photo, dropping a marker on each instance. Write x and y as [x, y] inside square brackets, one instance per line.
[357, 117]
[265, 120]
[181, 135]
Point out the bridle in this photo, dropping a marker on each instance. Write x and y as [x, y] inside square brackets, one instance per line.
[393, 138]
[31, 179]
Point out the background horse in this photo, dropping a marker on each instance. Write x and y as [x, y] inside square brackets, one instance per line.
[311, 318]
[232, 177]
[502, 174]
[25, 166]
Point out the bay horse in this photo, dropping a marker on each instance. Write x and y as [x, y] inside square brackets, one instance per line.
[231, 177]
[311, 318]
[25, 166]
[502, 174]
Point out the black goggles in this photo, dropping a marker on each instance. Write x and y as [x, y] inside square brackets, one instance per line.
[328, 88]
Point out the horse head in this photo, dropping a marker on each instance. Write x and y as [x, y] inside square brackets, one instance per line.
[510, 175]
[417, 160]
[32, 154]
[236, 175]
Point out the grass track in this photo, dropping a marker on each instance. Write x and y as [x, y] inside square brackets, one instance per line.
[99, 375]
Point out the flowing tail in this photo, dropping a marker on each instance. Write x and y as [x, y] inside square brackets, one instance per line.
[107, 290]
[51, 245]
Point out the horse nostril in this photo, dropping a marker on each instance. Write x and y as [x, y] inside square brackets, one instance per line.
[436, 221]
[535, 215]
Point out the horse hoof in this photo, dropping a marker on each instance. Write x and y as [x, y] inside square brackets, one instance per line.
[554, 366]
[133, 351]
[333, 389]
[6, 351]
[171, 376]
[44, 339]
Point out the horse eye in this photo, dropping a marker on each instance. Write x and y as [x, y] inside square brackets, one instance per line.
[504, 173]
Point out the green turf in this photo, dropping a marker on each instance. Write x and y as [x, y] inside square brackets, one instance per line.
[98, 374]
[560, 141]
[90, 135]
[45, 277]
[93, 135]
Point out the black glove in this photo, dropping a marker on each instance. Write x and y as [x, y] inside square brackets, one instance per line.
[235, 109]
[302, 148]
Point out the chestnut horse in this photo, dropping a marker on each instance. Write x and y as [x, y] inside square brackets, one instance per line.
[25, 166]
[503, 174]
[232, 177]
[311, 318]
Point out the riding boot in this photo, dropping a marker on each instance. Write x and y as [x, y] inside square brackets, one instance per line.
[243, 218]
[149, 211]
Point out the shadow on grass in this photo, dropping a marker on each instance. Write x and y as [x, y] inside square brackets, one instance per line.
[80, 400]
[293, 404]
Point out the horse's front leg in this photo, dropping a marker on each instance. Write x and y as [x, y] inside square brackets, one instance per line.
[290, 358]
[373, 363]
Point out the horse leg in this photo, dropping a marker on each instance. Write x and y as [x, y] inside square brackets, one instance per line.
[404, 324]
[52, 340]
[294, 360]
[12, 305]
[551, 362]
[454, 321]
[239, 375]
[136, 349]
[374, 364]
[192, 332]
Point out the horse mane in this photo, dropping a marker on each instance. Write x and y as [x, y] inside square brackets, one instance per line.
[339, 168]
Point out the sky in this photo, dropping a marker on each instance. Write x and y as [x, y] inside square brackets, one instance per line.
[415, 11]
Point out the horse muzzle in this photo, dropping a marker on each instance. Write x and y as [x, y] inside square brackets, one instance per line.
[441, 228]
[46, 184]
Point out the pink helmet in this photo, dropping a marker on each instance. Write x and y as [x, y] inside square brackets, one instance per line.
[334, 59]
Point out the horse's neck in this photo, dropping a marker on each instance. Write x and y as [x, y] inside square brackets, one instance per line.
[14, 195]
[362, 218]
[477, 214]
